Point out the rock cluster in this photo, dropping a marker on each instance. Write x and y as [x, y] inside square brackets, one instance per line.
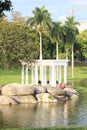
[19, 94]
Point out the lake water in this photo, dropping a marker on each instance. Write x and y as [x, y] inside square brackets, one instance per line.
[73, 112]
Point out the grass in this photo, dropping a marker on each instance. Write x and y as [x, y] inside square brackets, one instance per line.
[10, 76]
[51, 128]
[80, 73]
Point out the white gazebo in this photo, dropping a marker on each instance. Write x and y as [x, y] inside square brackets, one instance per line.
[47, 67]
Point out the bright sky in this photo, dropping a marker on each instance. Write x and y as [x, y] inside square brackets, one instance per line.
[55, 7]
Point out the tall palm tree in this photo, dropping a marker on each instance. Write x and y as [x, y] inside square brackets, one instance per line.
[56, 34]
[71, 32]
[41, 22]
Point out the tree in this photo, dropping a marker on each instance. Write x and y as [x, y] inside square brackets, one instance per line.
[5, 5]
[40, 22]
[56, 34]
[71, 32]
[18, 18]
[67, 46]
[16, 42]
[81, 40]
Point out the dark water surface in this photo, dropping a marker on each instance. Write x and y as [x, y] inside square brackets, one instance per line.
[72, 112]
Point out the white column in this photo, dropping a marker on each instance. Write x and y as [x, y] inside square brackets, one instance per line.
[33, 75]
[65, 73]
[60, 76]
[22, 74]
[26, 74]
[50, 75]
[36, 74]
[53, 76]
[43, 75]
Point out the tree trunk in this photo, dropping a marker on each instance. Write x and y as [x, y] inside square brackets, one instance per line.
[57, 51]
[72, 61]
[40, 55]
[66, 53]
[57, 57]
[40, 45]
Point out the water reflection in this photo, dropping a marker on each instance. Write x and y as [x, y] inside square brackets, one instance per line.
[66, 107]
[44, 114]
[70, 111]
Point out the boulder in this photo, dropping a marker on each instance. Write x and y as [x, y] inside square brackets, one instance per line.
[45, 97]
[17, 90]
[70, 91]
[25, 99]
[55, 91]
[40, 89]
[74, 97]
[5, 100]
[69, 94]
[61, 98]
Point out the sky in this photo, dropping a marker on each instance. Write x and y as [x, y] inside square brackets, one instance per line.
[59, 9]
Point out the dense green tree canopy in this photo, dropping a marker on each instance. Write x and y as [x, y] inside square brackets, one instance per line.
[16, 42]
[81, 40]
[19, 41]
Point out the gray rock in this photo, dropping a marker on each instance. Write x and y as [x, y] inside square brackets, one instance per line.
[70, 91]
[55, 91]
[45, 97]
[69, 94]
[40, 89]
[25, 99]
[61, 98]
[17, 90]
[5, 100]
[74, 97]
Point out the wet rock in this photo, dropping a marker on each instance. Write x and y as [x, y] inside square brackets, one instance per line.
[70, 92]
[61, 98]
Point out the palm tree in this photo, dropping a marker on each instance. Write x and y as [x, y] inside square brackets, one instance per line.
[41, 22]
[71, 32]
[56, 34]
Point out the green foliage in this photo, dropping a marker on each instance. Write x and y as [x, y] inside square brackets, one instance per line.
[16, 43]
[5, 5]
[19, 41]
[51, 97]
[18, 18]
[41, 20]
[62, 56]
[70, 30]
[81, 41]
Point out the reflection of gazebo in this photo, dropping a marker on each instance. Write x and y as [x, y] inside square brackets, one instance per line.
[46, 65]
